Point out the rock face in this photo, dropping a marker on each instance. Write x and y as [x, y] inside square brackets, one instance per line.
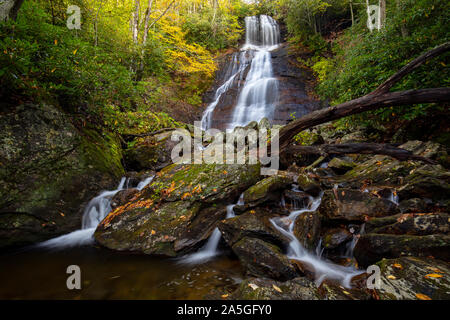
[261, 258]
[49, 170]
[374, 247]
[354, 205]
[414, 278]
[177, 210]
[150, 153]
[293, 101]
[307, 229]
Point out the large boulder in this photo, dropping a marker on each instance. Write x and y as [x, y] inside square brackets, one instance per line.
[307, 228]
[177, 210]
[49, 170]
[151, 152]
[253, 223]
[414, 278]
[373, 247]
[261, 258]
[354, 205]
[268, 189]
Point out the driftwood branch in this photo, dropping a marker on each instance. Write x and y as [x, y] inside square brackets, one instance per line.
[358, 148]
[379, 98]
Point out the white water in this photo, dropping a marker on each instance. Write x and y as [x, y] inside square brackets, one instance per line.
[259, 95]
[210, 249]
[323, 269]
[94, 213]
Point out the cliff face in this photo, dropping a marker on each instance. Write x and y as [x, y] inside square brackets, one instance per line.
[293, 99]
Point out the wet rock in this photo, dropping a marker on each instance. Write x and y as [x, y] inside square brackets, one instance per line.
[267, 289]
[266, 190]
[341, 166]
[308, 183]
[354, 205]
[307, 229]
[177, 210]
[414, 205]
[417, 224]
[414, 278]
[261, 258]
[264, 124]
[333, 238]
[372, 247]
[150, 153]
[122, 197]
[253, 223]
[296, 199]
[428, 181]
[49, 171]
[429, 149]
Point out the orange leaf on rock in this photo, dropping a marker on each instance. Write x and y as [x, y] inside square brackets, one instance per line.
[422, 296]
[433, 275]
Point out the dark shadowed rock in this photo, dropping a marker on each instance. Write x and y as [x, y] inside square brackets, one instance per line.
[349, 204]
[261, 258]
[415, 224]
[333, 238]
[307, 229]
[374, 247]
[253, 223]
[414, 278]
[122, 197]
[152, 152]
[341, 166]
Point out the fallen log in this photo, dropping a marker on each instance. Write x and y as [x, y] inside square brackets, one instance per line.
[358, 148]
[379, 98]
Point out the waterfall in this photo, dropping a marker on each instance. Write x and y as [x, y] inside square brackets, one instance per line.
[96, 210]
[210, 249]
[323, 269]
[258, 97]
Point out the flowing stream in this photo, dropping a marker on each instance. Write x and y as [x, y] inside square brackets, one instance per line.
[259, 94]
[94, 213]
[323, 269]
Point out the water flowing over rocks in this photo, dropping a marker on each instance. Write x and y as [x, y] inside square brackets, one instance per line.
[177, 210]
[49, 171]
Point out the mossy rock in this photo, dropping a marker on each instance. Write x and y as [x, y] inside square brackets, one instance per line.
[413, 278]
[178, 210]
[266, 189]
[50, 169]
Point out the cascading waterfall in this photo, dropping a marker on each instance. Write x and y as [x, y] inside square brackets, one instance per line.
[259, 95]
[323, 269]
[210, 249]
[94, 213]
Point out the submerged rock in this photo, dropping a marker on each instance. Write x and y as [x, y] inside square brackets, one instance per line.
[354, 205]
[49, 171]
[261, 258]
[177, 210]
[333, 238]
[414, 278]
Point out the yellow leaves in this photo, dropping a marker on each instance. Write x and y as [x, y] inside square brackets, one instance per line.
[252, 211]
[153, 232]
[53, 70]
[433, 275]
[75, 51]
[56, 42]
[224, 296]
[225, 172]
[434, 269]
[422, 296]
[61, 214]
[397, 265]
[391, 277]
[276, 288]
[253, 286]
[379, 163]
[346, 292]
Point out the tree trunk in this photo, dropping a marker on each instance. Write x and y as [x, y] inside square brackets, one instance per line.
[135, 22]
[379, 98]
[382, 15]
[361, 148]
[351, 12]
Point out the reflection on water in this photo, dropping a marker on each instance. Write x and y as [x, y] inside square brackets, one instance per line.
[108, 275]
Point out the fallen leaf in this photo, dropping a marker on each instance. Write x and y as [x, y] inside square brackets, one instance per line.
[398, 266]
[225, 296]
[433, 275]
[153, 232]
[422, 296]
[253, 286]
[391, 277]
[62, 214]
[434, 269]
[346, 292]
[276, 288]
